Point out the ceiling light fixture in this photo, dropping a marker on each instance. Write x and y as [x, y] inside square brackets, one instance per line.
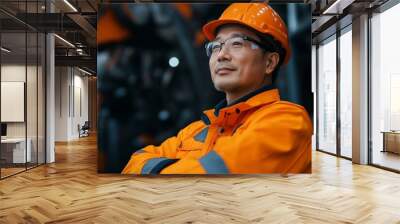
[329, 9]
[64, 40]
[70, 5]
[5, 49]
[337, 7]
[84, 71]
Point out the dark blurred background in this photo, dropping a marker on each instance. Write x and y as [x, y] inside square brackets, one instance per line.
[153, 74]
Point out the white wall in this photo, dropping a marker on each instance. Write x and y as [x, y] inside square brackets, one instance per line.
[12, 101]
[61, 103]
[11, 73]
[71, 102]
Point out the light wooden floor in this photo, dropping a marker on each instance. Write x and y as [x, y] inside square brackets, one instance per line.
[10, 171]
[5, 172]
[70, 191]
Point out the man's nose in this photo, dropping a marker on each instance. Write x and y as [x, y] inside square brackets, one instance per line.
[223, 54]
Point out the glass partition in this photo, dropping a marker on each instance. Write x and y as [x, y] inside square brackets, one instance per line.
[14, 152]
[22, 77]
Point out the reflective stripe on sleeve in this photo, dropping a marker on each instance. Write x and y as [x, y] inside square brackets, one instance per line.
[202, 135]
[155, 165]
[213, 163]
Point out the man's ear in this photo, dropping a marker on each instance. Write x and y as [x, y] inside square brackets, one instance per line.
[272, 60]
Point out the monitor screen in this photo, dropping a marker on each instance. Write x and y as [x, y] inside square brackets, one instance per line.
[3, 129]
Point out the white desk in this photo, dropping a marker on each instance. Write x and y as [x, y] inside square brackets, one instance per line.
[18, 150]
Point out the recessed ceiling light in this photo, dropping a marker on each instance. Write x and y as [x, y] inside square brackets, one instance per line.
[84, 71]
[64, 40]
[70, 5]
[5, 50]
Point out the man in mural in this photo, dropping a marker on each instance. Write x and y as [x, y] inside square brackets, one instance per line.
[252, 130]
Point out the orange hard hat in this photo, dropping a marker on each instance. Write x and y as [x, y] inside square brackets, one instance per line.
[258, 16]
[109, 30]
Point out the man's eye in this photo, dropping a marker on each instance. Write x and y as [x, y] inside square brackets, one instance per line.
[215, 47]
[237, 43]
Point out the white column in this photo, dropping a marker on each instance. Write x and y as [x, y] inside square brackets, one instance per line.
[360, 90]
[50, 93]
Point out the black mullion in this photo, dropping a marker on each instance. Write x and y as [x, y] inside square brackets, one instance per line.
[45, 89]
[338, 131]
[73, 92]
[26, 86]
[37, 90]
[369, 91]
[317, 97]
[45, 95]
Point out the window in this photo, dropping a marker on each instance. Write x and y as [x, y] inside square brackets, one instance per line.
[385, 89]
[346, 93]
[327, 96]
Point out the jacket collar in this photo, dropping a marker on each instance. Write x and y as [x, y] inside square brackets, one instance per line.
[264, 95]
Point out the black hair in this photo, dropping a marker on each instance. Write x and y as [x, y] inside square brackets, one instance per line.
[273, 46]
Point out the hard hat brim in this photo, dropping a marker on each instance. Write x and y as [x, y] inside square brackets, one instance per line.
[210, 28]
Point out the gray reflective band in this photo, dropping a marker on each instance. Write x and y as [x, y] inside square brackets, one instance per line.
[153, 166]
[213, 163]
[201, 136]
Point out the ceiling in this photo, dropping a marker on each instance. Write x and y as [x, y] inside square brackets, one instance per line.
[76, 21]
[76, 24]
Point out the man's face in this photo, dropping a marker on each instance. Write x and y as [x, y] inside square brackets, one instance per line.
[237, 71]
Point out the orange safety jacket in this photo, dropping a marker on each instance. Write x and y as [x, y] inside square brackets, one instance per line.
[256, 134]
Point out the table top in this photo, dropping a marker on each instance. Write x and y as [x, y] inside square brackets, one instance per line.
[391, 132]
[13, 140]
